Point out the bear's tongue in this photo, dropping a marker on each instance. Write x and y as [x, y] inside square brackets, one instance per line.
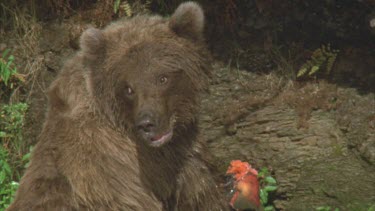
[155, 138]
[160, 137]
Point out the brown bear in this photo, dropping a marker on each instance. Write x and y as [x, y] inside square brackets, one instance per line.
[121, 128]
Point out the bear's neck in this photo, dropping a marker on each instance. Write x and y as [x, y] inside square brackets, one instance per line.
[161, 166]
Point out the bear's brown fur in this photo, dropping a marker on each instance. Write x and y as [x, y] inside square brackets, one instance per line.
[121, 129]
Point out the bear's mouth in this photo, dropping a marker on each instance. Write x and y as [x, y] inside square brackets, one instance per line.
[161, 139]
[157, 135]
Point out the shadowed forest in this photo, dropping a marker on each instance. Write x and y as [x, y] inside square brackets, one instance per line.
[292, 91]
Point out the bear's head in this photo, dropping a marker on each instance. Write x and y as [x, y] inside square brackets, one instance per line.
[145, 73]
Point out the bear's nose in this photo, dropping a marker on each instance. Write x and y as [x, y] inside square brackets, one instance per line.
[146, 122]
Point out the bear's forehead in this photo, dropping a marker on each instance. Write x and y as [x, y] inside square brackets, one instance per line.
[126, 34]
[153, 57]
[152, 49]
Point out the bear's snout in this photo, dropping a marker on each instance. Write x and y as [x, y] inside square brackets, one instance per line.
[152, 130]
[146, 122]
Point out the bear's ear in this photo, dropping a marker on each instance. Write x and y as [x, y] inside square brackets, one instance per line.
[188, 21]
[92, 44]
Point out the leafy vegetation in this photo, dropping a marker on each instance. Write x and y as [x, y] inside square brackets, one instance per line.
[8, 187]
[9, 77]
[322, 59]
[122, 6]
[11, 125]
[6, 69]
[12, 118]
[268, 184]
[326, 208]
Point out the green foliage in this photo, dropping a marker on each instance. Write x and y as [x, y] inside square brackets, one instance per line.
[11, 125]
[8, 187]
[9, 77]
[326, 208]
[11, 132]
[116, 6]
[120, 6]
[322, 59]
[12, 120]
[7, 69]
[268, 184]
[371, 208]
[361, 206]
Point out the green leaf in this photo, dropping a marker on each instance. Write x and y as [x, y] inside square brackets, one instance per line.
[372, 208]
[269, 208]
[313, 70]
[127, 8]
[5, 53]
[26, 157]
[2, 134]
[270, 180]
[269, 188]
[2, 177]
[263, 172]
[116, 6]
[323, 208]
[263, 196]
[14, 184]
[10, 58]
[6, 168]
[301, 72]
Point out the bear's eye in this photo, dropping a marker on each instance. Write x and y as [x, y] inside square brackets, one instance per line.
[129, 91]
[163, 79]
